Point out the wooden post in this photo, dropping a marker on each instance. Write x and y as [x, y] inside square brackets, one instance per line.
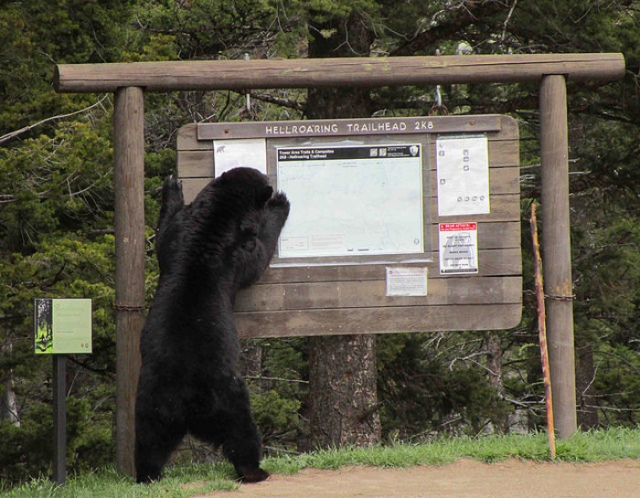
[557, 250]
[130, 253]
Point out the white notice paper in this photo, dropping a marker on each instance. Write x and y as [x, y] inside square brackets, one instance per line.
[406, 281]
[352, 200]
[463, 175]
[458, 243]
[229, 154]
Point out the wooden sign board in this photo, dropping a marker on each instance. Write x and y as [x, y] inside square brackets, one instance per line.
[466, 273]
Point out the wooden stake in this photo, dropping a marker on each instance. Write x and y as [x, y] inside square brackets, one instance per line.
[542, 332]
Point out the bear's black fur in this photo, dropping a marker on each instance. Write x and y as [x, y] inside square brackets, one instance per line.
[171, 213]
[207, 251]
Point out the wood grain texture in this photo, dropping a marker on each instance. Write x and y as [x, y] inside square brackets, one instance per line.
[378, 320]
[347, 71]
[130, 253]
[558, 285]
[354, 127]
[361, 294]
[351, 298]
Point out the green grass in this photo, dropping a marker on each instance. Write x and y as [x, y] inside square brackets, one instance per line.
[185, 481]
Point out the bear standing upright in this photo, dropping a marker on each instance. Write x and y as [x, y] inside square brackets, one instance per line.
[207, 251]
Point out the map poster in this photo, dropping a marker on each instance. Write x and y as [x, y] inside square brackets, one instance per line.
[463, 175]
[458, 244]
[62, 326]
[352, 200]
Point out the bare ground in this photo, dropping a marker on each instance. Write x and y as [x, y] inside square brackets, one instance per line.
[463, 479]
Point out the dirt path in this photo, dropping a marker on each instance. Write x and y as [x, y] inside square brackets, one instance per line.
[463, 479]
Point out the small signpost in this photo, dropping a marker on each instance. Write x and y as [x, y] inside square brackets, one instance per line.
[61, 327]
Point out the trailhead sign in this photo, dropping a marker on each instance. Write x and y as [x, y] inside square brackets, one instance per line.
[396, 225]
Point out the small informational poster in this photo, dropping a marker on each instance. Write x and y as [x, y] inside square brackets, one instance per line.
[229, 154]
[406, 281]
[358, 200]
[463, 175]
[62, 326]
[458, 248]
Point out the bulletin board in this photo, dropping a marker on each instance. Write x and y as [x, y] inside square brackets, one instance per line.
[396, 225]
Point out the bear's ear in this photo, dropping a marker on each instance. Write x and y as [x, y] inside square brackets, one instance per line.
[263, 195]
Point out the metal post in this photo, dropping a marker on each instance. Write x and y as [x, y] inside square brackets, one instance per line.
[59, 419]
[130, 251]
[557, 251]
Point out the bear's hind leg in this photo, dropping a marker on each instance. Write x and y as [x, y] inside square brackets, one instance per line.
[156, 438]
[232, 427]
[242, 445]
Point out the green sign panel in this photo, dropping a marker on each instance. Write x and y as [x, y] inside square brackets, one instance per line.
[62, 326]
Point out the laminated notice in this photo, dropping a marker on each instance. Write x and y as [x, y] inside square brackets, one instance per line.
[406, 281]
[463, 175]
[241, 152]
[458, 248]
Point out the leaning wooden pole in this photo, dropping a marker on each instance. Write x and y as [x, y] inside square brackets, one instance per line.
[542, 332]
[130, 252]
[557, 250]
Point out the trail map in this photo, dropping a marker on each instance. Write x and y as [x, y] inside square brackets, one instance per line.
[352, 200]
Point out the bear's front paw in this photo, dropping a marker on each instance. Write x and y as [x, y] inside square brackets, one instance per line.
[279, 202]
[172, 190]
[252, 475]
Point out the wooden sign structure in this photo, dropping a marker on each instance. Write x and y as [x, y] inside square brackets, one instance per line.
[129, 82]
[350, 295]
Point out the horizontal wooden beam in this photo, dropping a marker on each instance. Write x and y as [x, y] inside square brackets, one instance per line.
[378, 320]
[356, 71]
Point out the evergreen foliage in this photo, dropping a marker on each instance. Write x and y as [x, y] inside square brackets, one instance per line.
[56, 206]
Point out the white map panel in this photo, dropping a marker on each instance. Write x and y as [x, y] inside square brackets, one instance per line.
[352, 200]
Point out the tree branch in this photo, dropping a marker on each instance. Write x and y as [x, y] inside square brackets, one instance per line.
[465, 14]
[272, 99]
[17, 133]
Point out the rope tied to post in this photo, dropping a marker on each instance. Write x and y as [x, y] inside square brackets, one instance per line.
[559, 297]
[126, 307]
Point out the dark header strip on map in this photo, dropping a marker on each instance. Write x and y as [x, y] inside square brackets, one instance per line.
[355, 152]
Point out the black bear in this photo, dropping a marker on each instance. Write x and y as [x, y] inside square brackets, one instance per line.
[207, 251]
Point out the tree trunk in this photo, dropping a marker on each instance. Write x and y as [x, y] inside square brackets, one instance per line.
[585, 373]
[8, 404]
[494, 365]
[342, 387]
[342, 369]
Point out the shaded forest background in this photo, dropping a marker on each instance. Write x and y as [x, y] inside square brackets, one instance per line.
[56, 208]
